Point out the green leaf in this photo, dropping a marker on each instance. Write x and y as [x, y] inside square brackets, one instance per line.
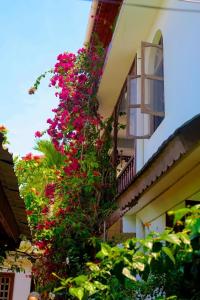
[196, 226]
[128, 274]
[100, 286]
[80, 279]
[168, 252]
[105, 249]
[148, 244]
[179, 214]
[77, 292]
[171, 238]
[138, 265]
[155, 255]
[93, 267]
[184, 237]
[90, 287]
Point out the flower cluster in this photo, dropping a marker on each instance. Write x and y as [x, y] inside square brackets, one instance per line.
[75, 78]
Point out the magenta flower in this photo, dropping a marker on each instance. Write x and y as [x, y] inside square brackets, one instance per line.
[50, 190]
[38, 134]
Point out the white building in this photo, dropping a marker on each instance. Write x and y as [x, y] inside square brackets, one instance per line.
[152, 74]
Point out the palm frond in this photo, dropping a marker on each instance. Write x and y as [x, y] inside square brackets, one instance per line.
[52, 156]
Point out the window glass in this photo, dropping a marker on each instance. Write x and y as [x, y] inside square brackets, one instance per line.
[134, 90]
[154, 96]
[153, 61]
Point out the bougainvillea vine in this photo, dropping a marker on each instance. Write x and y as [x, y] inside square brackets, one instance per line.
[68, 190]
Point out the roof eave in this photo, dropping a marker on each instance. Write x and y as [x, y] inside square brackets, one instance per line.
[91, 20]
[10, 192]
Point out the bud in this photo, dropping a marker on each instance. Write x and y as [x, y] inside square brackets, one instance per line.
[32, 90]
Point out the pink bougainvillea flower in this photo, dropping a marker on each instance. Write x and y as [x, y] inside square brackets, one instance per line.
[50, 190]
[40, 226]
[82, 78]
[76, 109]
[49, 224]
[45, 210]
[38, 134]
[41, 244]
[99, 143]
[73, 166]
[49, 121]
[82, 50]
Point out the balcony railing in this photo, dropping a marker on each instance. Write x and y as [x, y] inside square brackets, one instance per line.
[126, 176]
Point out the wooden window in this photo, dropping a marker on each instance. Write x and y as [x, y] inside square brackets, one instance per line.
[138, 122]
[146, 93]
[6, 286]
[152, 80]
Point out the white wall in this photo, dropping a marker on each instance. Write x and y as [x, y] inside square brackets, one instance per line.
[157, 225]
[22, 285]
[129, 223]
[140, 232]
[181, 41]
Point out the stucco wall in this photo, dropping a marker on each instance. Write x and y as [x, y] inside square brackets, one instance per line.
[22, 285]
[129, 224]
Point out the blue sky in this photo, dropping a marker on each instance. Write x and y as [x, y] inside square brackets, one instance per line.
[33, 33]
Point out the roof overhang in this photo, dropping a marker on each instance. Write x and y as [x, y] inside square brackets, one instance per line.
[101, 21]
[133, 26]
[177, 156]
[12, 209]
[91, 21]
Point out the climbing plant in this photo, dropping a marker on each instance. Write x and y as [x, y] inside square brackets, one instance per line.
[68, 188]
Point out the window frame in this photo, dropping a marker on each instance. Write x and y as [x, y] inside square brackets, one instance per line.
[132, 106]
[144, 76]
[11, 277]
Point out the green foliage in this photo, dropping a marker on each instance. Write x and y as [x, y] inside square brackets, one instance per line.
[65, 226]
[161, 266]
[53, 158]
